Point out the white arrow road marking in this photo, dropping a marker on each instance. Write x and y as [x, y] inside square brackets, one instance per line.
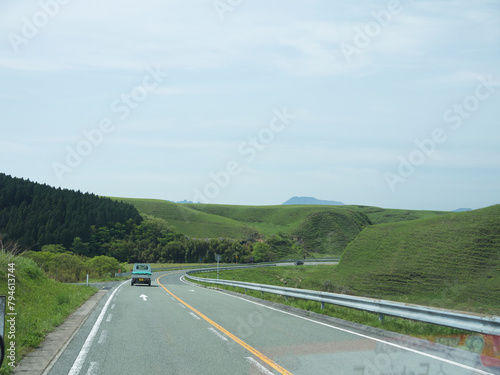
[144, 297]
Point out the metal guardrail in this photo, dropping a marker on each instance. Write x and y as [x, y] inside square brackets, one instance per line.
[475, 323]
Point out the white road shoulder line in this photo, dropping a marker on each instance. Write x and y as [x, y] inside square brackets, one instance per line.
[80, 359]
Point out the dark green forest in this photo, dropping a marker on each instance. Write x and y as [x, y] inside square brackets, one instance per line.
[34, 215]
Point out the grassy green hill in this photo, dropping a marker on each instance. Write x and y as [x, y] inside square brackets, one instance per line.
[269, 220]
[320, 229]
[447, 260]
[192, 223]
[378, 215]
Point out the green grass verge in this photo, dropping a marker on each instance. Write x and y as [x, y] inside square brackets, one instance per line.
[40, 303]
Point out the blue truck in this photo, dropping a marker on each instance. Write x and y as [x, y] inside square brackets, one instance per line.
[141, 274]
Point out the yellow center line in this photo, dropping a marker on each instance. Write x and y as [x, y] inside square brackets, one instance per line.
[252, 350]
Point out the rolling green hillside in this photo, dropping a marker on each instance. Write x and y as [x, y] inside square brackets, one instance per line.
[287, 217]
[378, 215]
[192, 223]
[448, 260]
[269, 220]
[329, 232]
[319, 229]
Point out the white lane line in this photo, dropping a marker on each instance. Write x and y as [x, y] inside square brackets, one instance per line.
[181, 305]
[94, 366]
[113, 306]
[110, 316]
[194, 315]
[476, 371]
[217, 333]
[102, 338]
[259, 367]
[80, 360]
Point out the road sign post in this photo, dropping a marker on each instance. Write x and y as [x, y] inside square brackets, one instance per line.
[218, 257]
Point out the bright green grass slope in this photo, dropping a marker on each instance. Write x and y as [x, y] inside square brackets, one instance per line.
[321, 229]
[41, 304]
[192, 223]
[270, 219]
[451, 260]
[378, 215]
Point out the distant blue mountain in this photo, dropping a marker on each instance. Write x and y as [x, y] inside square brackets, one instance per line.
[311, 200]
[462, 209]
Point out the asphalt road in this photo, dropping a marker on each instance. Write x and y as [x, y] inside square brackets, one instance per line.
[174, 327]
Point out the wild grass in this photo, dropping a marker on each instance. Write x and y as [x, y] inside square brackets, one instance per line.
[41, 303]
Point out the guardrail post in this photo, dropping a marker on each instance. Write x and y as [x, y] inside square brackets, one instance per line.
[322, 305]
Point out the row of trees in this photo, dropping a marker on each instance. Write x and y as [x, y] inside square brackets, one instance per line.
[66, 267]
[152, 241]
[148, 243]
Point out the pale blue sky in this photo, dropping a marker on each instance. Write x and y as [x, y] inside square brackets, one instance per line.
[387, 103]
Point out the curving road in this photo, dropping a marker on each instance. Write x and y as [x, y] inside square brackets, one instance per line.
[174, 327]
